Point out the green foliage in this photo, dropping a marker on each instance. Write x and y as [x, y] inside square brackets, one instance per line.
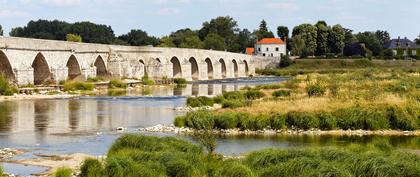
[73, 38]
[225, 27]
[2, 172]
[254, 94]
[283, 32]
[323, 32]
[233, 103]
[307, 33]
[336, 39]
[78, 86]
[146, 81]
[236, 169]
[5, 88]
[95, 79]
[117, 84]
[315, 89]
[193, 42]
[214, 42]
[91, 168]
[180, 81]
[371, 41]
[285, 61]
[282, 93]
[208, 140]
[63, 172]
[199, 101]
[139, 38]
[302, 120]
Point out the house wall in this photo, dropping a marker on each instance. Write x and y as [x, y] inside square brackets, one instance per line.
[271, 50]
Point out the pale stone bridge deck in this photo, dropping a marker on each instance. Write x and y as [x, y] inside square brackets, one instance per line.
[35, 61]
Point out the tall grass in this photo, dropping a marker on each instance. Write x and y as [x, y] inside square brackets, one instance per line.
[78, 86]
[138, 156]
[63, 172]
[5, 88]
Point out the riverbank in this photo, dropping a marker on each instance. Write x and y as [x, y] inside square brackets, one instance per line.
[36, 97]
[270, 132]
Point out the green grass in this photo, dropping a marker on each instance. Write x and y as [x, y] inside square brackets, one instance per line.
[78, 86]
[117, 84]
[5, 88]
[63, 172]
[137, 155]
[353, 118]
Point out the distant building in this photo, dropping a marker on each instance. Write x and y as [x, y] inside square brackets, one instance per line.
[250, 51]
[270, 47]
[403, 47]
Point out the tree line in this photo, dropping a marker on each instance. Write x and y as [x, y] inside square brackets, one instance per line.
[221, 33]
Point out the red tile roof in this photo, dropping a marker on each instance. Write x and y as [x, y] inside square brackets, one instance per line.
[270, 41]
[250, 51]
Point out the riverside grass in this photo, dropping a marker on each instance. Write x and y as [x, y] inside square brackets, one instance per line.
[368, 99]
[137, 156]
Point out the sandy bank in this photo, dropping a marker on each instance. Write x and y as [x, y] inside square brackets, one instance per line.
[35, 97]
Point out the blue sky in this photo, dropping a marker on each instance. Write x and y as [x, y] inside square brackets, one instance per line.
[160, 17]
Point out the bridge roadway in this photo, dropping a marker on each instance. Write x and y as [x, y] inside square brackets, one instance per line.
[36, 61]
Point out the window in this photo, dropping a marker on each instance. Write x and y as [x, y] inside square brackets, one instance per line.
[259, 49]
[263, 54]
[267, 49]
[277, 49]
[272, 55]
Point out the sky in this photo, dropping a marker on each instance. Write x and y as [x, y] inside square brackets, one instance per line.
[161, 17]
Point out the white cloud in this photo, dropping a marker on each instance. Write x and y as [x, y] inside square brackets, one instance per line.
[61, 3]
[288, 5]
[168, 11]
[12, 13]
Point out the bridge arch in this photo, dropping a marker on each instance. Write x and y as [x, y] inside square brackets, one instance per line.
[223, 68]
[41, 68]
[144, 67]
[209, 68]
[6, 69]
[194, 69]
[176, 68]
[235, 68]
[73, 66]
[101, 70]
[246, 68]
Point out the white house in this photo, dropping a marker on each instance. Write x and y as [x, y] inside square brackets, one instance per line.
[270, 47]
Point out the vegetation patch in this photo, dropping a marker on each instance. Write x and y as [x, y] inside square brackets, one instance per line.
[5, 88]
[63, 172]
[117, 84]
[78, 86]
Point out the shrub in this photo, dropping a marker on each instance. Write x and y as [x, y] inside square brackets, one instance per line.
[249, 122]
[401, 119]
[301, 120]
[315, 90]
[180, 81]
[361, 118]
[200, 101]
[180, 121]
[218, 99]
[91, 168]
[285, 61]
[235, 95]
[254, 94]
[63, 172]
[233, 103]
[282, 93]
[76, 85]
[5, 88]
[227, 120]
[200, 120]
[278, 121]
[327, 121]
[117, 84]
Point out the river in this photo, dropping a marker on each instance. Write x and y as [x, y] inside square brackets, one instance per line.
[88, 124]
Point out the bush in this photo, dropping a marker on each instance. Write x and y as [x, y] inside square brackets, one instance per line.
[219, 99]
[282, 93]
[254, 94]
[226, 121]
[91, 168]
[233, 103]
[361, 118]
[278, 121]
[327, 121]
[249, 122]
[180, 121]
[235, 95]
[200, 101]
[63, 172]
[236, 169]
[78, 86]
[302, 120]
[180, 81]
[5, 88]
[117, 84]
[315, 90]
[200, 120]
[401, 119]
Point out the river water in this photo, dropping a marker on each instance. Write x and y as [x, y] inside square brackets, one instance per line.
[88, 124]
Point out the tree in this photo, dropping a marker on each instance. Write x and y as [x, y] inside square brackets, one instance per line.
[93, 33]
[371, 42]
[298, 46]
[383, 37]
[178, 37]
[243, 40]
[336, 39]
[139, 38]
[1, 30]
[349, 38]
[226, 27]
[261, 34]
[166, 41]
[307, 33]
[73, 38]
[42, 29]
[418, 40]
[16, 32]
[322, 38]
[283, 32]
[193, 42]
[214, 42]
[263, 26]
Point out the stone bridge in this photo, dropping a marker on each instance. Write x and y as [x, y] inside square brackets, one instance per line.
[35, 61]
